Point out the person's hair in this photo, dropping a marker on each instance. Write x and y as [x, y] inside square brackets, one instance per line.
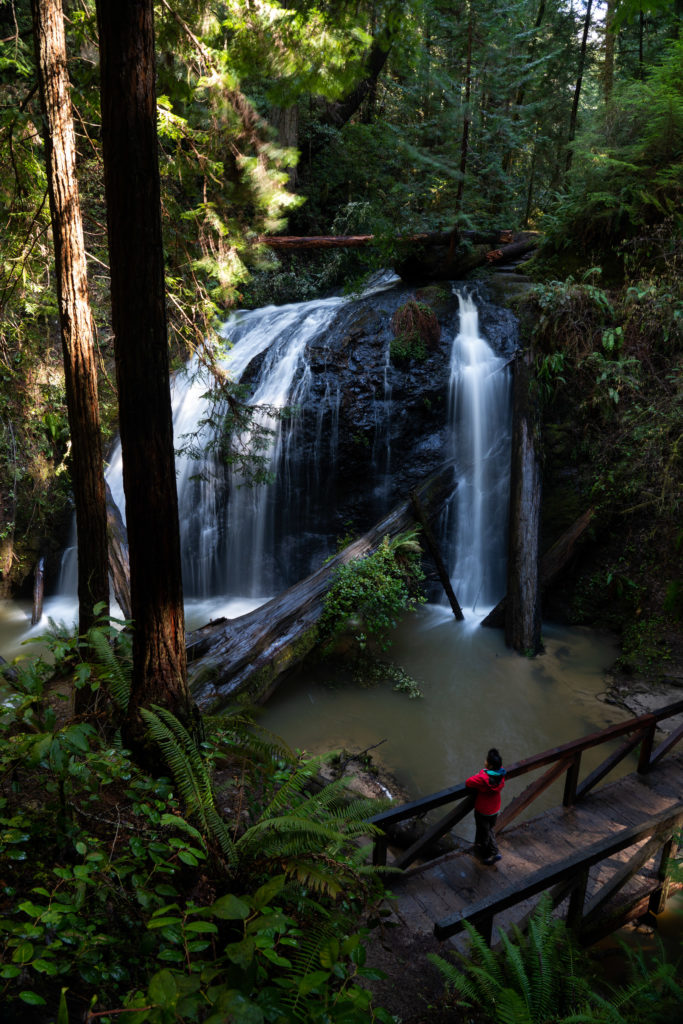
[494, 759]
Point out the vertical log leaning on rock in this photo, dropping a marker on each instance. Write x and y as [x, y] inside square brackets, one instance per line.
[431, 543]
[38, 592]
[523, 606]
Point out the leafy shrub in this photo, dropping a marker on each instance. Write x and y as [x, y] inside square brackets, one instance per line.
[416, 331]
[370, 594]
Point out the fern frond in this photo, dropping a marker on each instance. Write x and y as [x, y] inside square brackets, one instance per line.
[292, 787]
[114, 666]
[516, 970]
[184, 760]
[285, 835]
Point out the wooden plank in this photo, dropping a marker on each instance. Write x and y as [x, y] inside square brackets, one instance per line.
[599, 773]
[668, 744]
[546, 878]
[619, 879]
[531, 792]
[566, 751]
[437, 830]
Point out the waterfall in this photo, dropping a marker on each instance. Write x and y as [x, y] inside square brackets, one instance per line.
[479, 414]
[242, 542]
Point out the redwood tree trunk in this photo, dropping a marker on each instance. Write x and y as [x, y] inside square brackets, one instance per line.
[75, 317]
[126, 29]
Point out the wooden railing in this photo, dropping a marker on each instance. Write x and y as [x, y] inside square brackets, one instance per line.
[569, 878]
[563, 760]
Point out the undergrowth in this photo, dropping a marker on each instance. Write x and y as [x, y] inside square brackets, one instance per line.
[228, 888]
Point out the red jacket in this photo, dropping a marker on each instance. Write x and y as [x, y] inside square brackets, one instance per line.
[488, 785]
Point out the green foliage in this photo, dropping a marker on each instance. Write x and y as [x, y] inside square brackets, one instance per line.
[416, 331]
[644, 646]
[627, 172]
[533, 979]
[104, 869]
[370, 594]
[191, 775]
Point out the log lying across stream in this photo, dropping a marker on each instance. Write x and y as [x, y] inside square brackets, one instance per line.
[250, 654]
[429, 255]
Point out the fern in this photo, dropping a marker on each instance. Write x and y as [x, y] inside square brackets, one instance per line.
[531, 979]
[190, 773]
[114, 665]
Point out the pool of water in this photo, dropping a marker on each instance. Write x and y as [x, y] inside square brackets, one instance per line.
[476, 693]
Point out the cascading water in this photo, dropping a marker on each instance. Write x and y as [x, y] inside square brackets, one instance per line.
[479, 413]
[249, 542]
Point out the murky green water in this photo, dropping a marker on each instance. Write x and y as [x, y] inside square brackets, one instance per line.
[476, 694]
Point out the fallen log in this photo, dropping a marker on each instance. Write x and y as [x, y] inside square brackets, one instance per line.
[250, 654]
[357, 241]
[552, 564]
[428, 255]
[433, 547]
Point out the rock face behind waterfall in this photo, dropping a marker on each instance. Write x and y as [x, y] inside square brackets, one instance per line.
[370, 428]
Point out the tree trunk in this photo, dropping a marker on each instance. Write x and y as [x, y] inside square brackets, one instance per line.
[119, 560]
[250, 654]
[126, 30]
[552, 564]
[523, 607]
[577, 89]
[464, 142]
[610, 45]
[519, 98]
[75, 317]
[428, 256]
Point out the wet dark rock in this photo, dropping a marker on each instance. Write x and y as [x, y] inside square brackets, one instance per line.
[370, 428]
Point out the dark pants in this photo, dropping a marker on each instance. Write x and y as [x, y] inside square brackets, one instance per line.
[485, 841]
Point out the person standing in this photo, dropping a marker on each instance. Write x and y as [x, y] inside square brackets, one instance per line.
[488, 784]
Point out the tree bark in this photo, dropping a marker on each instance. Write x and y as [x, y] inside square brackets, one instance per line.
[552, 564]
[523, 607]
[428, 256]
[119, 560]
[126, 30]
[252, 653]
[467, 118]
[80, 370]
[577, 89]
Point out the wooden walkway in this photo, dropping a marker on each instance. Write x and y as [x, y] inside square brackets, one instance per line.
[436, 891]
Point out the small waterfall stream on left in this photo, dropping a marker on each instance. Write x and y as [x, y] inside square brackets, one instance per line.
[240, 545]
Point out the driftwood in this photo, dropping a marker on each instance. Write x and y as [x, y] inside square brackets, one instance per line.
[552, 563]
[251, 653]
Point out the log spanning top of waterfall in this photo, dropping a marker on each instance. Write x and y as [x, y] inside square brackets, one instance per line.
[451, 253]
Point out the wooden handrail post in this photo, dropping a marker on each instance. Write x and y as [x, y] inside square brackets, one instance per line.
[646, 747]
[571, 782]
[576, 902]
[379, 851]
[660, 895]
[484, 925]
